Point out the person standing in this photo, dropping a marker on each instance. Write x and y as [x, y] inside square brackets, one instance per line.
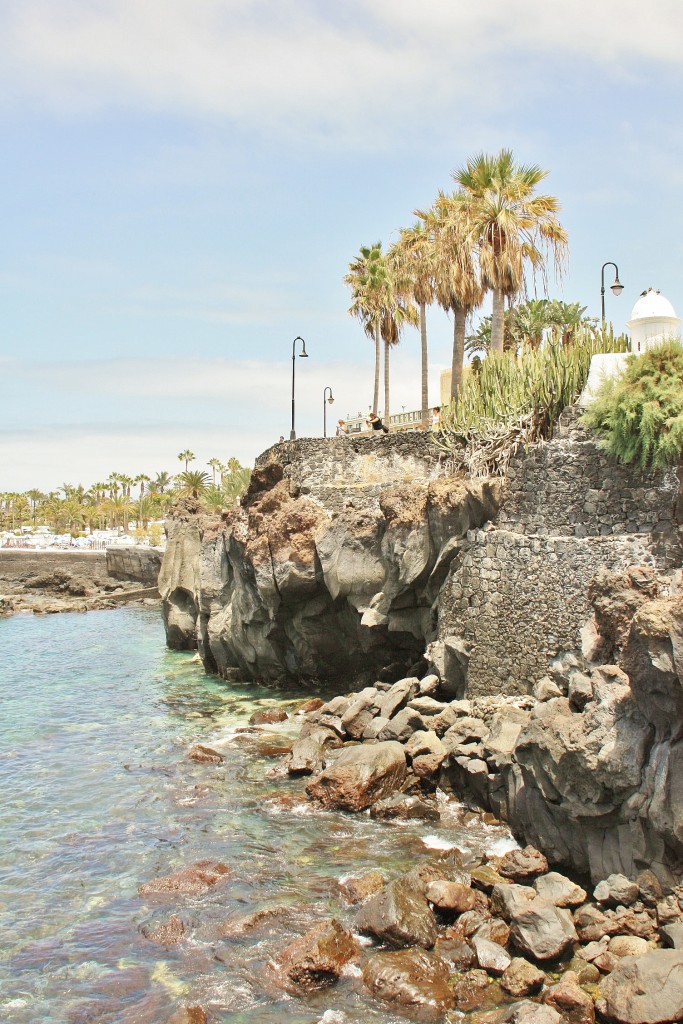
[376, 423]
[341, 428]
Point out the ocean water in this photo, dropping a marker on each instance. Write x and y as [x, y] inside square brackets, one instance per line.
[99, 795]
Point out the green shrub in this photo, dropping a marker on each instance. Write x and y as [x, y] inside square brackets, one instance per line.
[515, 400]
[640, 415]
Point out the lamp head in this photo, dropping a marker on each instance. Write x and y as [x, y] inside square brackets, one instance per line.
[617, 288]
[330, 400]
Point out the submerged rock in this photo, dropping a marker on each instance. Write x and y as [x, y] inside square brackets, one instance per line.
[398, 914]
[413, 978]
[356, 890]
[188, 881]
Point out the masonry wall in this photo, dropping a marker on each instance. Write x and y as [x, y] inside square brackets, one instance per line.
[517, 592]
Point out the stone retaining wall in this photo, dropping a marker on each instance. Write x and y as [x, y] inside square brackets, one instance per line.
[135, 563]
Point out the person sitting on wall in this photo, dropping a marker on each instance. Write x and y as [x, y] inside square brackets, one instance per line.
[376, 423]
[341, 428]
[436, 417]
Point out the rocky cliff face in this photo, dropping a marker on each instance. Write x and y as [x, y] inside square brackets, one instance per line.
[288, 588]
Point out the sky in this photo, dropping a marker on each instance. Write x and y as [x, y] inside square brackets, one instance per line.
[184, 182]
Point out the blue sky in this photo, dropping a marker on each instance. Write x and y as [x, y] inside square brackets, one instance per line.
[183, 183]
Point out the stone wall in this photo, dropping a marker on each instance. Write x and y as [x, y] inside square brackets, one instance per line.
[517, 594]
[134, 563]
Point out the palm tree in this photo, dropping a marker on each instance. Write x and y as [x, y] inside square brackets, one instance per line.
[411, 259]
[396, 313]
[35, 496]
[509, 226]
[369, 280]
[186, 457]
[193, 482]
[456, 284]
[161, 482]
[215, 464]
[142, 479]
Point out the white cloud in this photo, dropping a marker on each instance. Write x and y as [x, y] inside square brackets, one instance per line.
[355, 72]
[216, 407]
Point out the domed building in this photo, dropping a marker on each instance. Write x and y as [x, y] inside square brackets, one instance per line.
[653, 318]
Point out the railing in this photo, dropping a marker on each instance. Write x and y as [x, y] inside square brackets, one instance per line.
[399, 421]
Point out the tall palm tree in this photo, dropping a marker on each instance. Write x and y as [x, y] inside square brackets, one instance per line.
[187, 456]
[161, 482]
[369, 280]
[215, 464]
[395, 315]
[457, 287]
[510, 226]
[411, 259]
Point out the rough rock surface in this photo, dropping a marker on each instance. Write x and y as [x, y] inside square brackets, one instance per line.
[315, 960]
[187, 881]
[644, 990]
[398, 914]
[413, 978]
[360, 776]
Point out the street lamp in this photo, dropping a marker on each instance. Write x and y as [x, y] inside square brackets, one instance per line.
[616, 288]
[302, 355]
[326, 401]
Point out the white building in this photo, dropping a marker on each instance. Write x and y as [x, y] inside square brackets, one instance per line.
[653, 319]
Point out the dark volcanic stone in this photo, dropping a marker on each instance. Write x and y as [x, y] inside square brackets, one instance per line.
[411, 978]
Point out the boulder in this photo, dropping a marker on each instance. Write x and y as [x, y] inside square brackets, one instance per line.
[412, 978]
[361, 712]
[542, 930]
[315, 960]
[672, 935]
[450, 896]
[188, 881]
[644, 989]
[474, 991]
[404, 807]
[520, 978]
[374, 728]
[398, 914]
[580, 691]
[484, 877]
[429, 685]
[268, 716]
[649, 888]
[165, 933]
[360, 776]
[457, 953]
[569, 999]
[505, 899]
[205, 755]
[356, 890]
[308, 752]
[592, 923]
[495, 930]
[465, 730]
[653, 660]
[523, 865]
[402, 726]
[616, 890]
[558, 890]
[546, 689]
[532, 1013]
[397, 696]
[490, 956]
[627, 945]
[427, 706]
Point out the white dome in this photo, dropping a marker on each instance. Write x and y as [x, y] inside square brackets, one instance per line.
[652, 304]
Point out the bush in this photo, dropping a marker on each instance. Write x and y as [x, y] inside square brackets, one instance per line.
[640, 415]
[516, 400]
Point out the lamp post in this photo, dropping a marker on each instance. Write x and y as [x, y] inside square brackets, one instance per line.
[616, 288]
[302, 355]
[326, 401]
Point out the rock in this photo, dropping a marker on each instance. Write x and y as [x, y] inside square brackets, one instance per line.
[506, 726]
[606, 962]
[532, 1013]
[356, 890]
[616, 597]
[580, 691]
[523, 865]
[672, 935]
[205, 755]
[424, 741]
[628, 921]
[398, 914]
[593, 949]
[166, 933]
[649, 888]
[374, 728]
[427, 706]
[360, 712]
[569, 999]
[465, 730]
[474, 991]
[405, 808]
[397, 696]
[668, 911]
[505, 899]
[627, 945]
[310, 705]
[334, 723]
[413, 978]
[268, 716]
[315, 960]
[558, 890]
[242, 924]
[520, 978]
[307, 753]
[586, 974]
[616, 890]
[653, 661]
[429, 685]
[450, 896]
[189, 1015]
[458, 954]
[402, 726]
[542, 930]
[644, 990]
[490, 956]
[494, 930]
[591, 923]
[484, 877]
[360, 776]
[337, 706]
[546, 689]
[188, 881]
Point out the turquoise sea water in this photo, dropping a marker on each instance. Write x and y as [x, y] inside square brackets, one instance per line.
[98, 795]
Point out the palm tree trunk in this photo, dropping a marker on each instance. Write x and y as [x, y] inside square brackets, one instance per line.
[498, 322]
[385, 416]
[459, 321]
[375, 397]
[425, 365]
